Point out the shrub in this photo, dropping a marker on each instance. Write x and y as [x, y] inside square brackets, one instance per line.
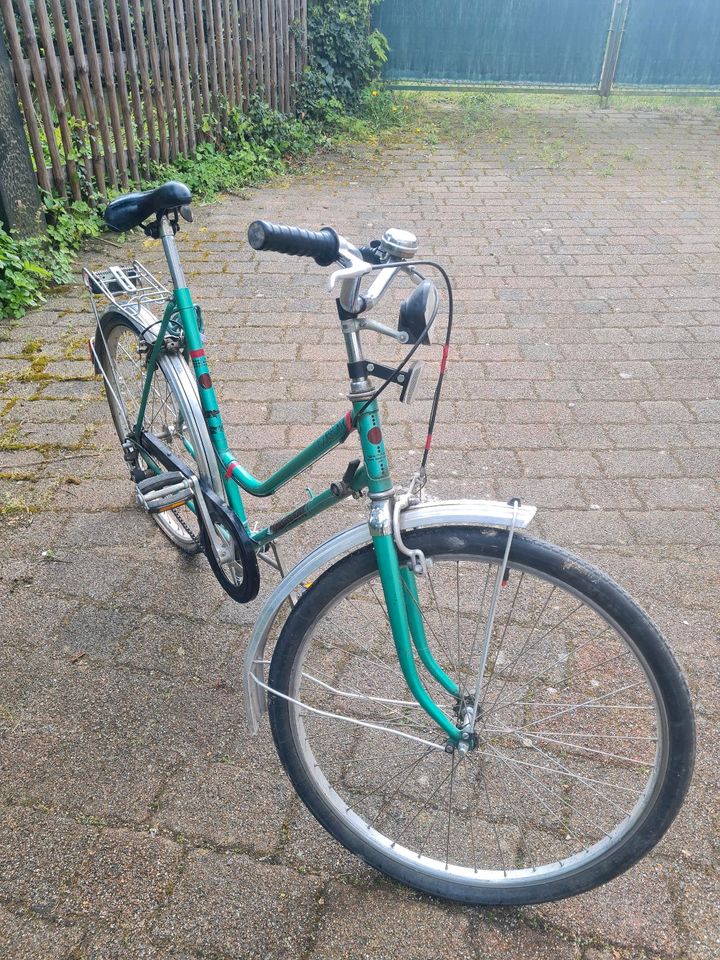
[28, 266]
[345, 55]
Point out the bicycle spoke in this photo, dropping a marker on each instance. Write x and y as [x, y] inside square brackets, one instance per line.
[565, 743]
[562, 800]
[579, 747]
[492, 821]
[586, 703]
[563, 659]
[502, 637]
[449, 817]
[448, 646]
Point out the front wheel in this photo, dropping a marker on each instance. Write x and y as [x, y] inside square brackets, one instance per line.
[584, 740]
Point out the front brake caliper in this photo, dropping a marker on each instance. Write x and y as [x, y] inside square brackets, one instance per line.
[417, 560]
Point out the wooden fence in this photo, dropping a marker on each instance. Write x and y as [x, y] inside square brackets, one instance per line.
[109, 86]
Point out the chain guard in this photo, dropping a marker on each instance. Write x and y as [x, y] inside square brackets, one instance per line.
[249, 586]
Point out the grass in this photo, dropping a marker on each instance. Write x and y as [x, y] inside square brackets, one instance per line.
[541, 100]
[11, 506]
[537, 130]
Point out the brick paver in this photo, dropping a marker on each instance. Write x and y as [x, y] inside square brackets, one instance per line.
[137, 818]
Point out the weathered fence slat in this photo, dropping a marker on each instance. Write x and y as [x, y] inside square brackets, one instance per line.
[81, 69]
[265, 14]
[58, 95]
[125, 106]
[229, 53]
[97, 86]
[284, 60]
[243, 51]
[304, 35]
[157, 85]
[135, 80]
[212, 57]
[279, 53]
[250, 27]
[276, 101]
[67, 67]
[220, 59]
[193, 62]
[167, 80]
[183, 64]
[132, 70]
[237, 51]
[258, 46]
[25, 94]
[203, 49]
[109, 72]
[176, 64]
[42, 96]
[292, 47]
[148, 122]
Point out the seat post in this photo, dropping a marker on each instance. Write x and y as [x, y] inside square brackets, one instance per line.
[172, 256]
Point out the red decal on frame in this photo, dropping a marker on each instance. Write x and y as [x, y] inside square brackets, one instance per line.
[443, 362]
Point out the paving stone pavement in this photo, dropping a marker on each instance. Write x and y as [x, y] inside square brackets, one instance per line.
[138, 819]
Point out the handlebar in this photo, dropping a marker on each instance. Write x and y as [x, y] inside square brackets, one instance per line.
[326, 247]
[323, 245]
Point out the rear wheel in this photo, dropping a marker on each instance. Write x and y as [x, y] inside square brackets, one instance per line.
[585, 734]
[122, 351]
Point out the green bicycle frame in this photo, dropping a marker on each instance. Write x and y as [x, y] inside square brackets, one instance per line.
[398, 582]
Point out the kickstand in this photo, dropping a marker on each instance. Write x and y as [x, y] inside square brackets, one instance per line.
[276, 563]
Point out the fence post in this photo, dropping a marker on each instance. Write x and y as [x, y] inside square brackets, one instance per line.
[19, 194]
[612, 47]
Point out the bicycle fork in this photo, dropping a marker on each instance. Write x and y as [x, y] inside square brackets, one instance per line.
[398, 581]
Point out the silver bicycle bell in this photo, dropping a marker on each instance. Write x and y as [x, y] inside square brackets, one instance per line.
[399, 244]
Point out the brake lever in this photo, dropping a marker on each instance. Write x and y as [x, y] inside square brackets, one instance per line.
[356, 270]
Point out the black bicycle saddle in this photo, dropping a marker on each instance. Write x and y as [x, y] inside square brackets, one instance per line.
[134, 208]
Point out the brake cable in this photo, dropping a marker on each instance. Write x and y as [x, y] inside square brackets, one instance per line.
[409, 355]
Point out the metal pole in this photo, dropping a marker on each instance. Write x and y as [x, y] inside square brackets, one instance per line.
[612, 47]
[19, 195]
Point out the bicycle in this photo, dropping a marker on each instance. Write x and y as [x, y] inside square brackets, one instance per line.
[475, 712]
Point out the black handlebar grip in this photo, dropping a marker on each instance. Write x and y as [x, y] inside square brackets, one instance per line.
[323, 246]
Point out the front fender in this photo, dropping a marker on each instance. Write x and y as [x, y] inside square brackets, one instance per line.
[488, 513]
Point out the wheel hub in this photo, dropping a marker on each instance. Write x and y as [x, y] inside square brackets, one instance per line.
[463, 710]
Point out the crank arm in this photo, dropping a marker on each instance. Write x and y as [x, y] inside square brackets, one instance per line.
[220, 547]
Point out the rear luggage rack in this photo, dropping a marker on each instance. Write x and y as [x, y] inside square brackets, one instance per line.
[132, 286]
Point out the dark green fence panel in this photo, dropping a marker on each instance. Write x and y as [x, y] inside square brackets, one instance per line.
[666, 43]
[497, 41]
[671, 42]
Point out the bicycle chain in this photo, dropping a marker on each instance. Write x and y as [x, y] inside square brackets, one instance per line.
[187, 529]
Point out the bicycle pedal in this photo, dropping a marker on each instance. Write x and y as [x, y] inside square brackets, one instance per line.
[164, 491]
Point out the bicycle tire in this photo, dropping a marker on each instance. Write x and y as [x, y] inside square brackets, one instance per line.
[320, 754]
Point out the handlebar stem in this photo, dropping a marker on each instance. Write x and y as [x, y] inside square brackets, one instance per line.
[380, 285]
[353, 269]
